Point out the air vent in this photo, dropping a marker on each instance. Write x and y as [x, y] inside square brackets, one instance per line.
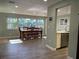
[12, 2]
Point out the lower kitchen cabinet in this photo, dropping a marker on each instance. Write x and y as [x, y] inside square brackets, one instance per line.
[62, 40]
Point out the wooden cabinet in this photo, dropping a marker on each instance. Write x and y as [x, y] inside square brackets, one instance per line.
[62, 40]
[58, 40]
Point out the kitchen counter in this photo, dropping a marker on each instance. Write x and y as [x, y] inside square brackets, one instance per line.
[62, 32]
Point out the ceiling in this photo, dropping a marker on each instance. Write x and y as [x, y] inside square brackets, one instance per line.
[29, 7]
[64, 11]
[51, 2]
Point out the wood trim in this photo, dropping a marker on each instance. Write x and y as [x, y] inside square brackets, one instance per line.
[51, 48]
[25, 15]
[9, 37]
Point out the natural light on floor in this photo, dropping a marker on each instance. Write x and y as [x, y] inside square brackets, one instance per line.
[44, 37]
[15, 41]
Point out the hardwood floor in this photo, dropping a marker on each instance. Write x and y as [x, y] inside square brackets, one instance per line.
[29, 49]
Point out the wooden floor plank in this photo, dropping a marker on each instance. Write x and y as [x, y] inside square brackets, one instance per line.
[29, 49]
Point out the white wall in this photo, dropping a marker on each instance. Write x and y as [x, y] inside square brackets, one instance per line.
[51, 28]
[63, 27]
[74, 21]
[63, 13]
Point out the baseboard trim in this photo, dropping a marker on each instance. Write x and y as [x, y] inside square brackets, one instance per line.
[51, 48]
[9, 37]
[68, 57]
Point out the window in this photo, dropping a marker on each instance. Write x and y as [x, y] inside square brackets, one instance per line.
[28, 22]
[40, 23]
[12, 23]
[24, 22]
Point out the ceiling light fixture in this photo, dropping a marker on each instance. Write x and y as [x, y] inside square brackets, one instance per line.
[58, 10]
[16, 6]
[45, 0]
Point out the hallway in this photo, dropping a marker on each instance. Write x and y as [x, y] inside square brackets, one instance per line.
[29, 49]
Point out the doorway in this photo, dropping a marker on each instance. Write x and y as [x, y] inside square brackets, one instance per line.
[62, 26]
